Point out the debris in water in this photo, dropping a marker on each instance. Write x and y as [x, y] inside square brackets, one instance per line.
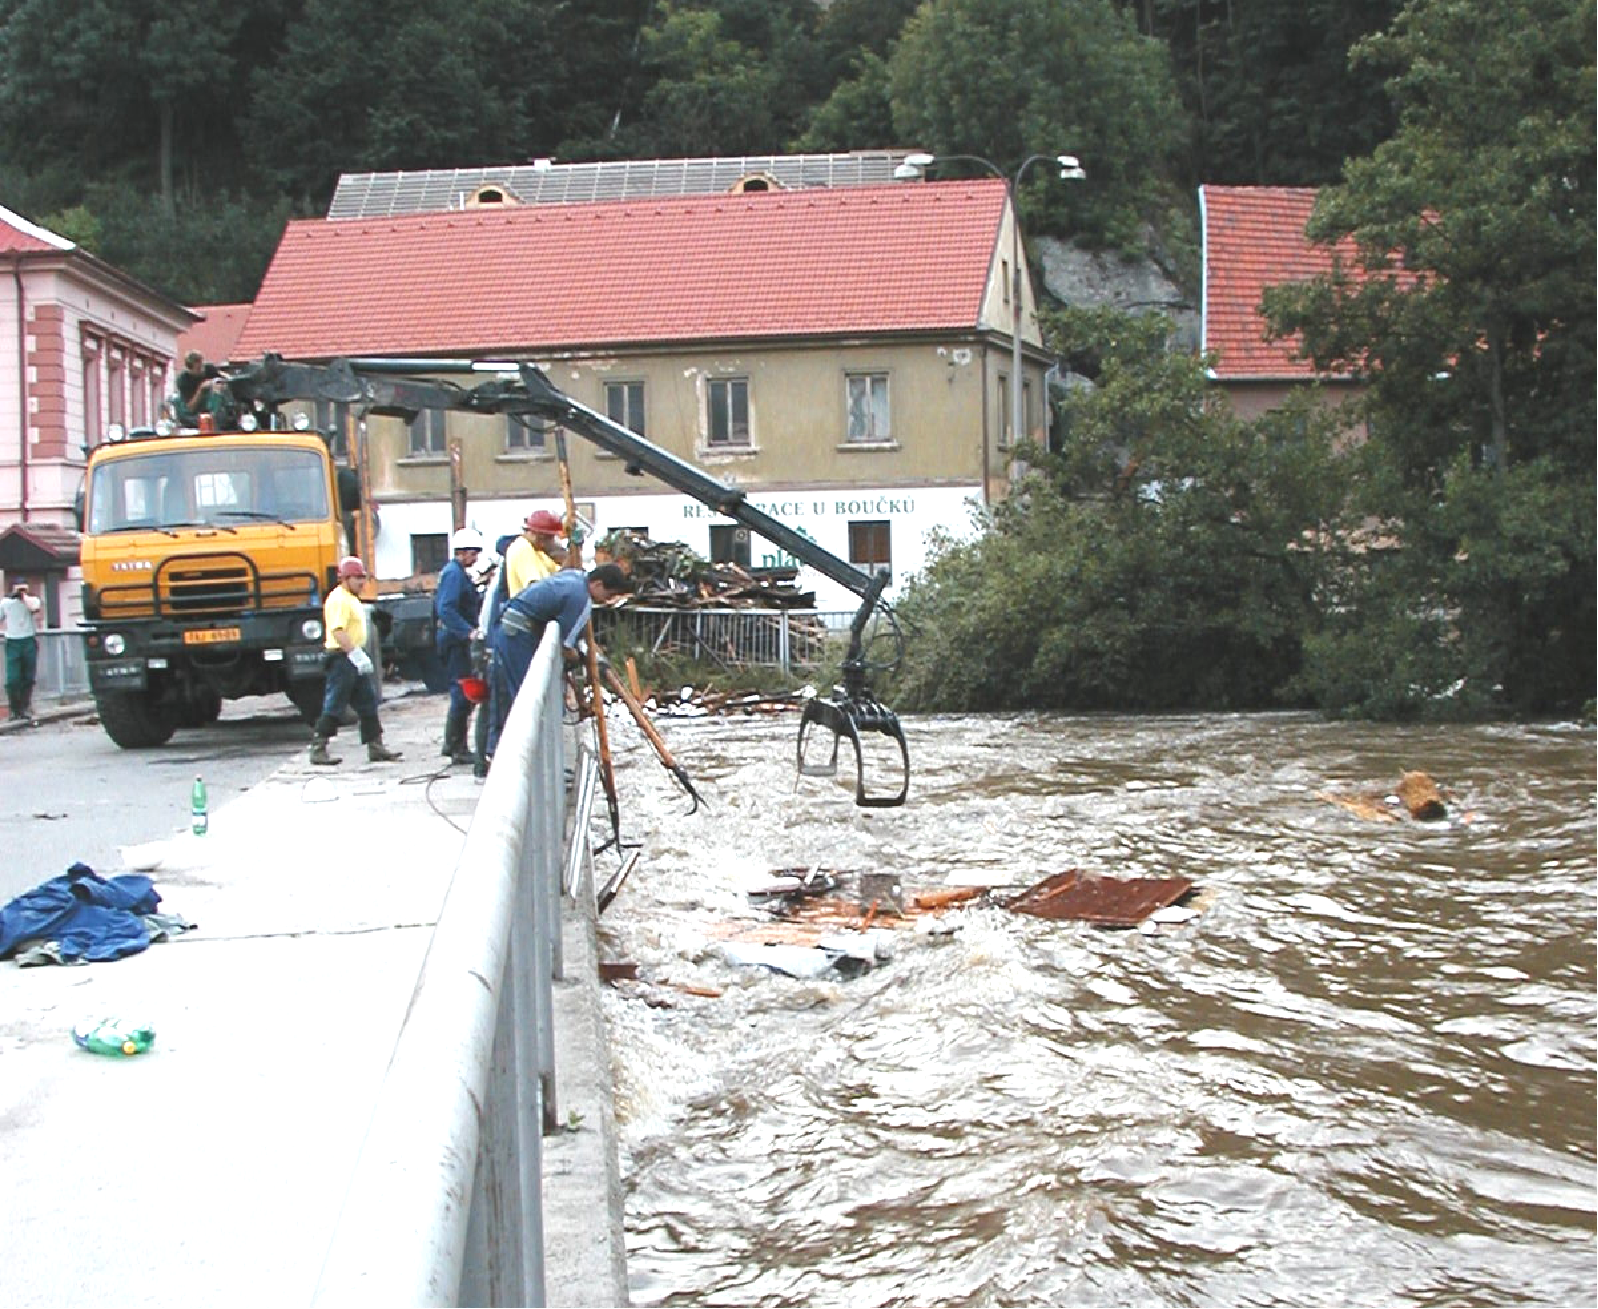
[1416, 793]
[1107, 901]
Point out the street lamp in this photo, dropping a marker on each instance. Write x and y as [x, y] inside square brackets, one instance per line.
[915, 165]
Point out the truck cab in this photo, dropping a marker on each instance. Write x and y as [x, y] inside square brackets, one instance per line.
[205, 559]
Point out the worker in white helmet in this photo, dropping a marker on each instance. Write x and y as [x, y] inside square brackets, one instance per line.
[455, 606]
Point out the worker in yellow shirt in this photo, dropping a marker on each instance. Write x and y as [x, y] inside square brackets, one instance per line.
[531, 556]
[348, 670]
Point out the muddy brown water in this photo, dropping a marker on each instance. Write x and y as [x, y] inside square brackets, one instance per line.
[1362, 1074]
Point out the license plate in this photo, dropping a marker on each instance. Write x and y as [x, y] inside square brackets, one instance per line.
[210, 635]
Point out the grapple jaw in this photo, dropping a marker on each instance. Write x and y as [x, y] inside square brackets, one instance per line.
[847, 713]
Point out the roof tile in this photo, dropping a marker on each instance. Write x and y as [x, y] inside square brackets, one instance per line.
[751, 266]
[1254, 238]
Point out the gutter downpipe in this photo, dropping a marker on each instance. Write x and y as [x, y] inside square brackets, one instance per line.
[22, 387]
[987, 499]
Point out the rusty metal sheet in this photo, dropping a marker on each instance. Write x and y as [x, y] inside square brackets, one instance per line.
[1109, 901]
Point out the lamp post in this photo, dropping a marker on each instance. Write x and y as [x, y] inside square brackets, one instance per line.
[915, 165]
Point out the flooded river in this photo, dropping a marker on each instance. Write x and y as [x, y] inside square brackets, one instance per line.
[1362, 1074]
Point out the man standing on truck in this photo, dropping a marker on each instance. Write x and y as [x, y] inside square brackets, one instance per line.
[456, 605]
[348, 670]
[20, 611]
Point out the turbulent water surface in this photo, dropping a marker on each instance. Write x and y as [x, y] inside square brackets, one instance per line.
[1362, 1074]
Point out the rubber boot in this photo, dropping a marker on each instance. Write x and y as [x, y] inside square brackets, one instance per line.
[455, 739]
[378, 753]
[319, 754]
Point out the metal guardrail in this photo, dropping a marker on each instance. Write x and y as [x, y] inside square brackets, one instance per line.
[445, 1204]
[61, 672]
[788, 639]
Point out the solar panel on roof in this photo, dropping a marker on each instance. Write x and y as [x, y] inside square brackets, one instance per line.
[384, 195]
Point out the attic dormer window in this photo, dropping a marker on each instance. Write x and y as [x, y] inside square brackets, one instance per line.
[755, 182]
[491, 195]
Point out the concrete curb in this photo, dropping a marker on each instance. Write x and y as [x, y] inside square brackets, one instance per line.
[585, 1255]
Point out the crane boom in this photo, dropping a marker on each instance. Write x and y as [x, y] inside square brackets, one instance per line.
[392, 387]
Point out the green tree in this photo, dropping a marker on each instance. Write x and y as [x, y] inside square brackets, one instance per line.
[1168, 557]
[387, 84]
[131, 88]
[1270, 96]
[1004, 79]
[708, 93]
[1471, 318]
[856, 113]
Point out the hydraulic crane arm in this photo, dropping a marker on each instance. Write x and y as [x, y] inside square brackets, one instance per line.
[390, 386]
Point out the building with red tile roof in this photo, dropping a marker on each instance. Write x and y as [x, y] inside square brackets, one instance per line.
[1254, 237]
[624, 274]
[215, 333]
[82, 346]
[841, 354]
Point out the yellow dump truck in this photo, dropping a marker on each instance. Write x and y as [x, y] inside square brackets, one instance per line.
[205, 559]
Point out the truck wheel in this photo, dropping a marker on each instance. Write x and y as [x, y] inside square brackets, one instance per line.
[306, 695]
[201, 709]
[132, 721]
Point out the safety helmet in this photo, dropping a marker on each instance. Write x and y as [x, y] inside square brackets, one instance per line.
[468, 538]
[350, 566]
[541, 520]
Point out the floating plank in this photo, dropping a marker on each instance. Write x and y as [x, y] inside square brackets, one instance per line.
[1108, 901]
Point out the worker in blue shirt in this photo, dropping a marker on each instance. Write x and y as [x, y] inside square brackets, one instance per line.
[565, 599]
[455, 608]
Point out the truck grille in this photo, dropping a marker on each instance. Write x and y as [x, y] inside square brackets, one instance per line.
[219, 589]
[221, 585]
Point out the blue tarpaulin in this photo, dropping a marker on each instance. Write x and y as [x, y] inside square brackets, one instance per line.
[89, 917]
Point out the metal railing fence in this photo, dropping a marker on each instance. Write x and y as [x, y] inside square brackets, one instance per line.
[61, 672]
[445, 1204]
[789, 639]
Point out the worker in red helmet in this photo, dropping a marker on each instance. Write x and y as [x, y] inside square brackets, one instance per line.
[531, 557]
[348, 670]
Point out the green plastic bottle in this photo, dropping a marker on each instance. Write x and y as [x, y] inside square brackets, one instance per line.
[202, 819]
[115, 1037]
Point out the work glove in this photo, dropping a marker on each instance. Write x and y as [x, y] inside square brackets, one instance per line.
[362, 661]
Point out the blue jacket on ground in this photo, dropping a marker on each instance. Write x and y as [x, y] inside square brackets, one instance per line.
[93, 917]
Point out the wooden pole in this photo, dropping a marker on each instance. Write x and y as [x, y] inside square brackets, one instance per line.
[596, 700]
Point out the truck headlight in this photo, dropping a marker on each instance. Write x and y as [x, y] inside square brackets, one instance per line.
[115, 644]
[311, 629]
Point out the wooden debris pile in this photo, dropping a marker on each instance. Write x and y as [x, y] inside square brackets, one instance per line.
[693, 702]
[669, 575]
[685, 607]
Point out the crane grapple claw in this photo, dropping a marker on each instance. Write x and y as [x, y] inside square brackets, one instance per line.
[846, 717]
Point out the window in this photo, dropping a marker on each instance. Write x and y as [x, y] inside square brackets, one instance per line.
[427, 435]
[729, 545]
[92, 430]
[868, 407]
[525, 434]
[870, 548]
[136, 392]
[1027, 425]
[116, 389]
[429, 552]
[624, 404]
[222, 490]
[729, 411]
[1004, 411]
